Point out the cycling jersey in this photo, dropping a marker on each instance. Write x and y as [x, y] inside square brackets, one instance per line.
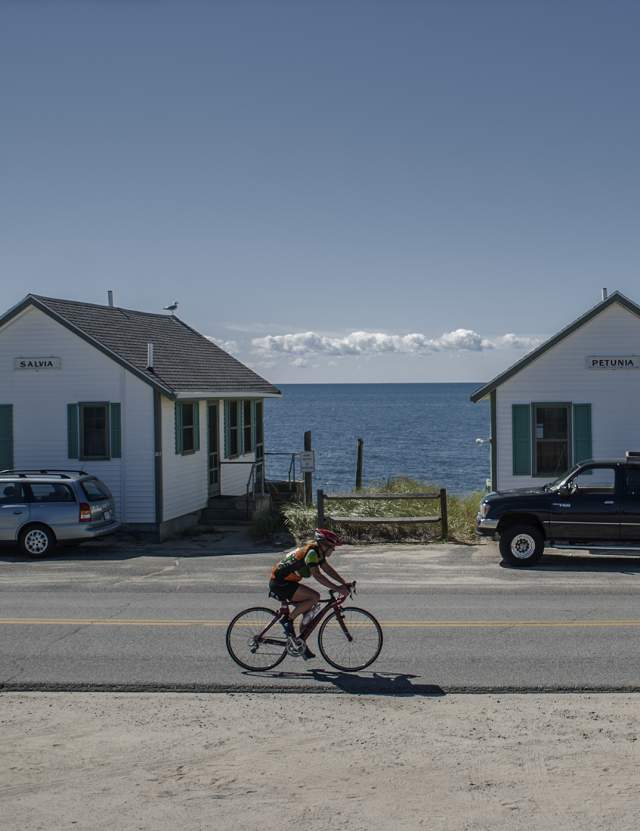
[298, 563]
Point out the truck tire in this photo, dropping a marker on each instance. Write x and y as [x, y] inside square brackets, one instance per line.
[521, 545]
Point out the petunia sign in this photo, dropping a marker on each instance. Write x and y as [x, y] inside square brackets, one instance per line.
[614, 362]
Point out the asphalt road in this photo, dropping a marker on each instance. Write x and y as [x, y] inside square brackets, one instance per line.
[453, 618]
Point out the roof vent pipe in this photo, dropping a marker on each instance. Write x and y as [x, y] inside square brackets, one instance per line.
[150, 356]
[110, 297]
[604, 294]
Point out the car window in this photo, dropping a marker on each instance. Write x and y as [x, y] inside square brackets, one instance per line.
[595, 480]
[12, 493]
[632, 481]
[51, 492]
[95, 490]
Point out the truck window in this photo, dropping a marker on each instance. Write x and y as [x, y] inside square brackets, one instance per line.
[595, 480]
[632, 482]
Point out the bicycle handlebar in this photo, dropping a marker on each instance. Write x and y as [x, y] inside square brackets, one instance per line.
[352, 590]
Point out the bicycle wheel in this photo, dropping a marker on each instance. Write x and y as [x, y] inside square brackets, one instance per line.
[350, 640]
[254, 642]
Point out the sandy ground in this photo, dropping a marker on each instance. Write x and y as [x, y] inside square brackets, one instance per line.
[238, 761]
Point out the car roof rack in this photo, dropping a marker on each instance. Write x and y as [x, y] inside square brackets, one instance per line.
[23, 473]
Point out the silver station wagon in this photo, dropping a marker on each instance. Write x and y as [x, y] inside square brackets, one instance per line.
[41, 508]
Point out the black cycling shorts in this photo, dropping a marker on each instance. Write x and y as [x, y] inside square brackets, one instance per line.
[283, 589]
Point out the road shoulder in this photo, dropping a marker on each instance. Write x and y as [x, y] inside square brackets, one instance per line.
[122, 761]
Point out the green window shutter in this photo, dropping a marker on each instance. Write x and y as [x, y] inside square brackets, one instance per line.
[521, 437]
[240, 428]
[6, 436]
[178, 410]
[73, 432]
[115, 424]
[582, 448]
[226, 429]
[196, 425]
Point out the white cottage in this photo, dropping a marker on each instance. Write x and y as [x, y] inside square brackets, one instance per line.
[157, 411]
[575, 397]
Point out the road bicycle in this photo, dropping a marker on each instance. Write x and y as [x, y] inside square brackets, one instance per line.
[349, 638]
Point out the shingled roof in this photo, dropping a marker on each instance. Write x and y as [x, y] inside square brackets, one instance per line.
[184, 360]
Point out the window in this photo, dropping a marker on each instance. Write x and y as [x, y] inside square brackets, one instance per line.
[94, 431]
[594, 480]
[551, 436]
[188, 425]
[187, 415]
[247, 426]
[259, 423]
[95, 490]
[51, 492]
[632, 482]
[12, 493]
[234, 428]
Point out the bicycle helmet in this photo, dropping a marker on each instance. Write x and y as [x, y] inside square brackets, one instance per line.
[324, 535]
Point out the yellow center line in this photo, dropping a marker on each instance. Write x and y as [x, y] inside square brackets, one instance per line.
[398, 624]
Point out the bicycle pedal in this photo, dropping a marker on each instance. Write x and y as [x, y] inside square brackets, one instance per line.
[296, 646]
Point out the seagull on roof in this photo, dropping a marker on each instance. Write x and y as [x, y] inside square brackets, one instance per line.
[172, 307]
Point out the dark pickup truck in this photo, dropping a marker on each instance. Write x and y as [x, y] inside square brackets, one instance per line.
[595, 506]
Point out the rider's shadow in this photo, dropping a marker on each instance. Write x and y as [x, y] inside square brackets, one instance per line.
[376, 683]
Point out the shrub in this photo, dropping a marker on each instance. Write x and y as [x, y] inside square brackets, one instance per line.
[300, 519]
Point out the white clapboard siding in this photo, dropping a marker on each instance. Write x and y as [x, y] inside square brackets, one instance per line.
[184, 478]
[40, 408]
[561, 375]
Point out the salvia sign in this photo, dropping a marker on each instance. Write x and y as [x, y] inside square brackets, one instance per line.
[46, 362]
[613, 362]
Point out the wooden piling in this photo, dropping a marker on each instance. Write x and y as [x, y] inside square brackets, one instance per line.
[444, 517]
[359, 464]
[308, 477]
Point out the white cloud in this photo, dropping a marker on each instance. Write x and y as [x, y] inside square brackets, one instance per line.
[511, 341]
[230, 346]
[300, 345]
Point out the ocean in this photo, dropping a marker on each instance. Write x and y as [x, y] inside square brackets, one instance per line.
[425, 431]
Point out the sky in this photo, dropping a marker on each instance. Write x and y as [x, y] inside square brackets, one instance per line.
[335, 191]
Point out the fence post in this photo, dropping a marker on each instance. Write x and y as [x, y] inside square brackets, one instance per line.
[308, 477]
[359, 460]
[320, 509]
[444, 517]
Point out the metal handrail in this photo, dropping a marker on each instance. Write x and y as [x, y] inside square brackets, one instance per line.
[251, 485]
[251, 488]
[292, 464]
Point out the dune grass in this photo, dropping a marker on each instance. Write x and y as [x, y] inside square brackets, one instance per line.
[301, 519]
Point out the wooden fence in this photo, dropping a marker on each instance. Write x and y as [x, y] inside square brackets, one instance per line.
[342, 519]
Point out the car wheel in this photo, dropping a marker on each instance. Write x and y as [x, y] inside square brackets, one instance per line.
[36, 541]
[521, 545]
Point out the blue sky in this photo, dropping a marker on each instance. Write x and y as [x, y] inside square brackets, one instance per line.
[315, 182]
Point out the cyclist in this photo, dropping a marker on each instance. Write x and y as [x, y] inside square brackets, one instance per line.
[310, 560]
